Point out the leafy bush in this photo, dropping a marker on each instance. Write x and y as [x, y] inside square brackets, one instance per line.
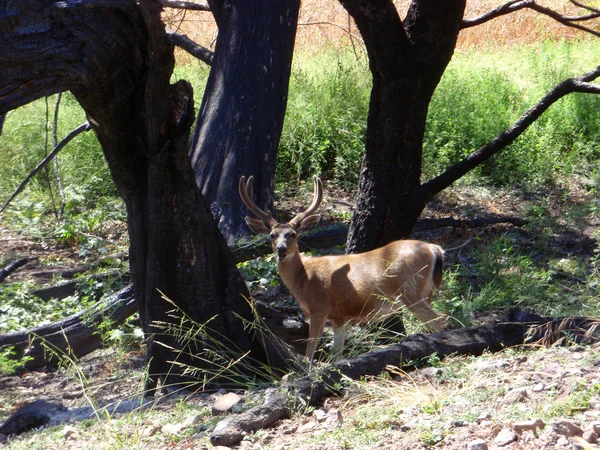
[325, 124]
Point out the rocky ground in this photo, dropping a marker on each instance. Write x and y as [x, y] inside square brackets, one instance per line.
[529, 398]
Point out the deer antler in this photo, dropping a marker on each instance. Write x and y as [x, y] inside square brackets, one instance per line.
[245, 188]
[318, 197]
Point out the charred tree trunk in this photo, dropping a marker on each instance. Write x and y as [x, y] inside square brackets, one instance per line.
[241, 117]
[117, 60]
[407, 59]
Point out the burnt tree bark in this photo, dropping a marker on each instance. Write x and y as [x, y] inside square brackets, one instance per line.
[241, 117]
[407, 59]
[117, 60]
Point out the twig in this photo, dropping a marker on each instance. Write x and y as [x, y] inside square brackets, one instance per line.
[61, 191]
[194, 49]
[517, 5]
[348, 32]
[80, 129]
[192, 6]
[12, 267]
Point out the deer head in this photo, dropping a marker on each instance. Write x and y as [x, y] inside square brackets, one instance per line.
[284, 236]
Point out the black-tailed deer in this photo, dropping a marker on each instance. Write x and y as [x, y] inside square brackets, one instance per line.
[347, 288]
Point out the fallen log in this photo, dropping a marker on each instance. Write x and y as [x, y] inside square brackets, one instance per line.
[412, 352]
[13, 267]
[75, 336]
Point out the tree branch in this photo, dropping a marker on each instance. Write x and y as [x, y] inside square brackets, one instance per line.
[516, 5]
[194, 49]
[80, 129]
[575, 84]
[190, 6]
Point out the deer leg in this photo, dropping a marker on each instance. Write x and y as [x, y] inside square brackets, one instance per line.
[425, 313]
[339, 338]
[315, 331]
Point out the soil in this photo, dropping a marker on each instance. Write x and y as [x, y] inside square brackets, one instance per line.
[450, 405]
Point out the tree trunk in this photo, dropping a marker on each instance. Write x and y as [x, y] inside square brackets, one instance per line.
[407, 59]
[117, 60]
[241, 117]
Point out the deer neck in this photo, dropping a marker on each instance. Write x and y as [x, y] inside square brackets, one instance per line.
[292, 271]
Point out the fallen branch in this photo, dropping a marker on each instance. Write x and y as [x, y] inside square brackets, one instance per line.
[80, 129]
[412, 352]
[193, 48]
[191, 6]
[75, 336]
[13, 267]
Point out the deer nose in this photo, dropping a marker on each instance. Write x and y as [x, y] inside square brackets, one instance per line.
[281, 251]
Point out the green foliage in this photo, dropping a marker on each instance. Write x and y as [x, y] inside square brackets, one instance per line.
[481, 93]
[20, 309]
[325, 125]
[8, 361]
[260, 271]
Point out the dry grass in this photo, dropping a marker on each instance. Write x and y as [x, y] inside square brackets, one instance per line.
[325, 24]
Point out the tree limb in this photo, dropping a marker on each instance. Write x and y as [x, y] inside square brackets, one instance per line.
[194, 49]
[575, 84]
[80, 129]
[516, 5]
[190, 6]
[12, 267]
[76, 335]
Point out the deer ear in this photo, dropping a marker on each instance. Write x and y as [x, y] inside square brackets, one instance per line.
[309, 223]
[257, 225]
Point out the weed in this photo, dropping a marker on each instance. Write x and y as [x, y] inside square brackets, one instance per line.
[8, 363]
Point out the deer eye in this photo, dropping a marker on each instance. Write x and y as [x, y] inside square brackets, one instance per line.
[290, 235]
[273, 236]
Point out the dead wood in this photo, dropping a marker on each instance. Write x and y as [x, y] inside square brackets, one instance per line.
[13, 267]
[412, 352]
[74, 336]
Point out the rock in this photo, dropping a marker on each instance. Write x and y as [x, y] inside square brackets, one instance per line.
[566, 427]
[485, 366]
[590, 436]
[505, 437]
[431, 372]
[334, 420]
[225, 403]
[70, 432]
[320, 415]
[477, 444]
[32, 415]
[595, 426]
[172, 428]
[528, 425]
[515, 396]
[484, 415]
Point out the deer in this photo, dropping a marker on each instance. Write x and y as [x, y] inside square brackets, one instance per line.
[349, 288]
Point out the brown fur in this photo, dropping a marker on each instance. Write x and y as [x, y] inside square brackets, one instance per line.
[352, 288]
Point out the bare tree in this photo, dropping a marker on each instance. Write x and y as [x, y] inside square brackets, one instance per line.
[117, 59]
[241, 117]
[407, 60]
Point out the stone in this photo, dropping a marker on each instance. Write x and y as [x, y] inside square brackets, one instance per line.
[477, 444]
[70, 432]
[595, 426]
[225, 403]
[590, 436]
[566, 427]
[505, 437]
[514, 396]
[431, 372]
[172, 428]
[528, 425]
